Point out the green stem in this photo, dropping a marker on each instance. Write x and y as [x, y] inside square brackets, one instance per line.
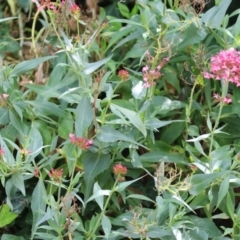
[108, 105]
[189, 107]
[103, 211]
[215, 127]
[224, 94]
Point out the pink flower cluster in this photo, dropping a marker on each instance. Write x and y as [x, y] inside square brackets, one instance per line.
[47, 4]
[150, 75]
[81, 142]
[226, 100]
[225, 65]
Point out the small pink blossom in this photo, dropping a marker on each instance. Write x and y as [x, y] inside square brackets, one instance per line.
[5, 96]
[145, 69]
[1, 152]
[216, 96]
[81, 142]
[151, 75]
[226, 100]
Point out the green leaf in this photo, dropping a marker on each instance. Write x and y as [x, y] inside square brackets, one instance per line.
[34, 142]
[17, 123]
[7, 153]
[170, 76]
[65, 126]
[223, 190]
[11, 237]
[38, 204]
[206, 225]
[135, 159]
[141, 197]
[163, 156]
[159, 233]
[213, 18]
[106, 225]
[6, 217]
[18, 182]
[45, 108]
[91, 67]
[7, 19]
[93, 163]
[108, 134]
[26, 66]
[124, 31]
[135, 35]
[18, 110]
[98, 196]
[56, 76]
[99, 199]
[44, 130]
[122, 185]
[133, 117]
[83, 116]
[199, 182]
[198, 234]
[4, 115]
[154, 123]
[163, 105]
[230, 205]
[192, 35]
[124, 10]
[125, 21]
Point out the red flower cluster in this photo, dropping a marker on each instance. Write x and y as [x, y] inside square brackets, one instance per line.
[81, 142]
[225, 65]
[120, 170]
[56, 174]
[123, 75]
[74, 9]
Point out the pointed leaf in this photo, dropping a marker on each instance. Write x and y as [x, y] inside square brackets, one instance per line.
[121, 186]
[6, 217]
[18, 182]
[91, 67]
[213, 18]
[94, 163]
[109, 134]
[223, 190]
[134, 118]
[106, 225]
[84, 116]
[28, 65]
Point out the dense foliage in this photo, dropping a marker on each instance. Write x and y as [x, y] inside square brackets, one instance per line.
[121, 126]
